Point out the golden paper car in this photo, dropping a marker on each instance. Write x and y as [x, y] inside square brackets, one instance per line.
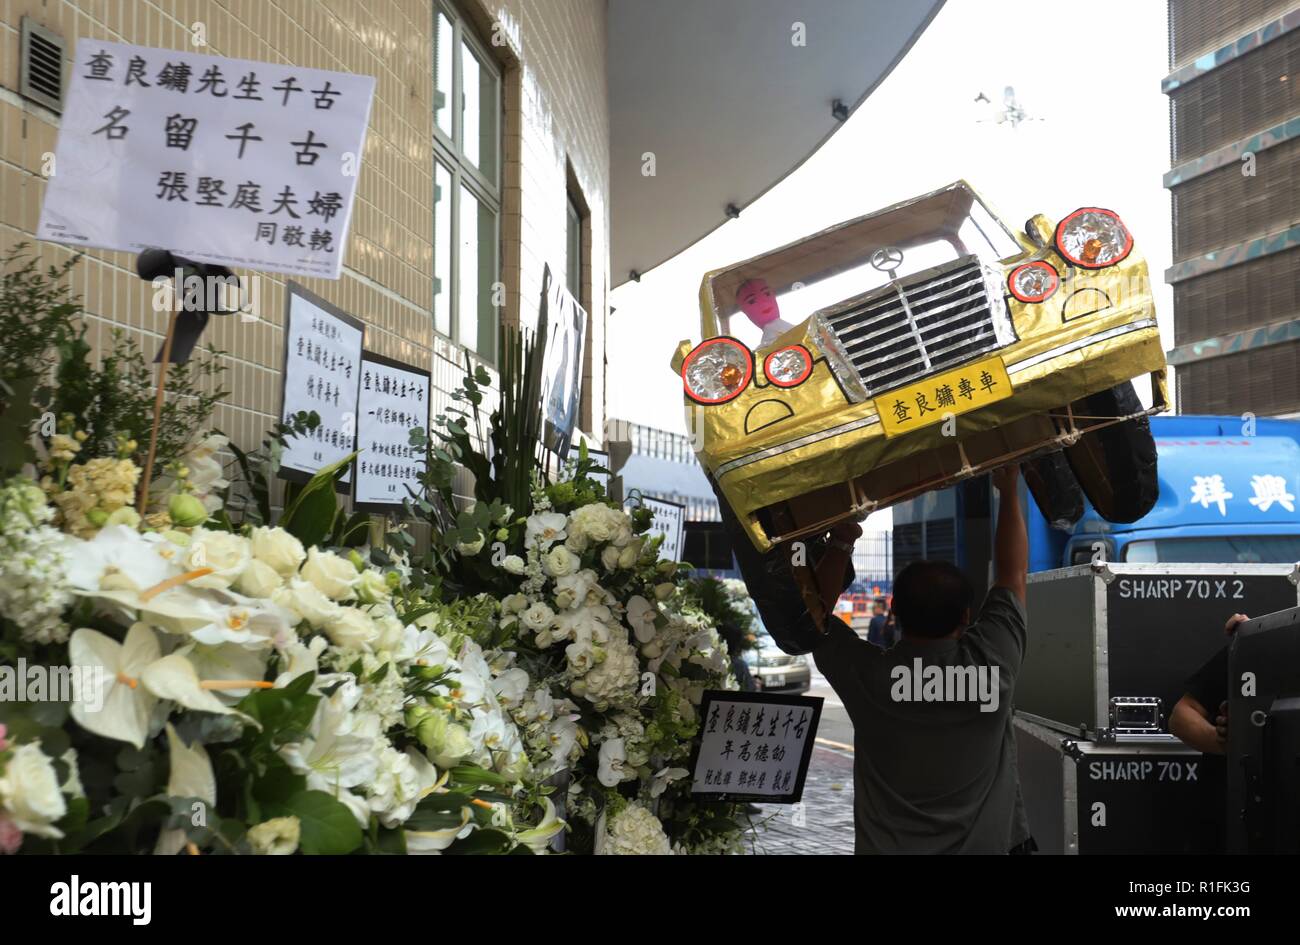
[926, 342]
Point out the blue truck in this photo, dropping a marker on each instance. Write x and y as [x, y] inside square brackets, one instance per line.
[1229, 493]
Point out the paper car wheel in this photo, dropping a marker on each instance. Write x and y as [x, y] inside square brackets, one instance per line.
[1116, 465]
[1055, 490]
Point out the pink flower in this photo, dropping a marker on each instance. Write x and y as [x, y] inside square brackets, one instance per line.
[11, 838]
[3, 732]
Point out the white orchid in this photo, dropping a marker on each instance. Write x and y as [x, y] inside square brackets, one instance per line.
[544, 529]
[641, 616]
[613, 755]
[665, 776]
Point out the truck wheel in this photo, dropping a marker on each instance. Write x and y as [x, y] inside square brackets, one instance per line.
[1055, 490]
[772, 585]
[1116, 465]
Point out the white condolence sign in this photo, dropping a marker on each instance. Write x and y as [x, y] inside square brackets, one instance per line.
[394, 399]
[670, 521]
[222, 160]
[754, 746]
[322, 369]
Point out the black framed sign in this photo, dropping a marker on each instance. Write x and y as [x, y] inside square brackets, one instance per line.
[322, 372]
[394, 399]
[754, 746]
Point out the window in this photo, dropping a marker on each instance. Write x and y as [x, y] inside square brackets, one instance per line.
[573, 250]
[467, 186]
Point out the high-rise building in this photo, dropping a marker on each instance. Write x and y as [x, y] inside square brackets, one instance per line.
[1234, 154]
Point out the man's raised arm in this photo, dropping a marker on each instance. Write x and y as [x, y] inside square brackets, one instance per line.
[1011, 543]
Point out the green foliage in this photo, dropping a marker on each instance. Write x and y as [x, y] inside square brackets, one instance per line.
[115, 400]
[36, 317]
[248, 496]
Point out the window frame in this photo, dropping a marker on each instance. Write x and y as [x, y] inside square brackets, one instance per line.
[449, 151]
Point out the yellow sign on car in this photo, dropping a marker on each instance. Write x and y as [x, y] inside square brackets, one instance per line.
[960, 390]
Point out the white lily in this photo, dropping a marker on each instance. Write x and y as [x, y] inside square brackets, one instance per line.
[538, 838]
[435, 841]
[338, 752]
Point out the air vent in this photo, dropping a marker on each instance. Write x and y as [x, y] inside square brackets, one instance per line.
[42, 65]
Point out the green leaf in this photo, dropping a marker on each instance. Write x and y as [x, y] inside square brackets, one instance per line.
[328, 827]
[311, 512]
[469, 774]
[481, 842]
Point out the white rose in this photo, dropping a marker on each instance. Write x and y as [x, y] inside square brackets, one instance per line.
[258, 580]
[29, 792]
[581, 656]
[538, 617]
[514, 564]
[371, 586]
[623, 537]
[627, 557]
[559, 562]
[391, 633]
[307, 602]
[332, 576]
[279, 549]
[609, 557]
[275, 837]
[226, 554]
[577, 542]
[564, 600]
[351, 629]
[514, 603]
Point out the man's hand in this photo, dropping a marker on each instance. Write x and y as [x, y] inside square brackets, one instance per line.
[1231, 626]
[1221, 723]
[1007, 478]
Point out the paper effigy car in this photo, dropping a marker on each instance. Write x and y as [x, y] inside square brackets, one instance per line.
[926, 343]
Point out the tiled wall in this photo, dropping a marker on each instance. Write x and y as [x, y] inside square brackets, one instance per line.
[553, 56]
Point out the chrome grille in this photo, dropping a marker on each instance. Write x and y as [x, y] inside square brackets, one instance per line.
[917, 326]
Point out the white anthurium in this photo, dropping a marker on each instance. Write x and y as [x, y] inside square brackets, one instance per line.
[641, 618]
[538, 839]
[544, 529]
[613, 756]
[191, 776]
[175, 678]
[124, 706]
[228, 662]
[665, 776]
[120, 555]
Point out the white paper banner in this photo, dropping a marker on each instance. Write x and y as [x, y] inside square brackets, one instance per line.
[322, 368]
[221, 160]
[394, 399]
[755, 746]
[670, 521]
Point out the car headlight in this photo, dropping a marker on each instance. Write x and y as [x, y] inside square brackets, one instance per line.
[1033, 282]
[717, 370]
[800, 660]
[1093, 238]
[789, 366]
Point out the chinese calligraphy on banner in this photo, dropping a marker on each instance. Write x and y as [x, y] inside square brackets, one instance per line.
[943, 395]
[394, 399]
[670, 521]
[755, 745]
[322, 369]
[221, 160]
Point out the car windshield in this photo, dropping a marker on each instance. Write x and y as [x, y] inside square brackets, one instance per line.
[1246, 549]
[862, 255]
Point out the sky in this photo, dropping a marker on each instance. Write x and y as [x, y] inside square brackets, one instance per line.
[1090, 73]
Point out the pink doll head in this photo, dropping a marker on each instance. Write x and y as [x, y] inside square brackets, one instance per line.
[757, 301]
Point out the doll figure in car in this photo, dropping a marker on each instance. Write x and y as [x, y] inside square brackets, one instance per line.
[756, 300]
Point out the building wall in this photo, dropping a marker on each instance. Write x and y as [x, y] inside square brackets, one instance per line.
[1235, 182]
[556, 118]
